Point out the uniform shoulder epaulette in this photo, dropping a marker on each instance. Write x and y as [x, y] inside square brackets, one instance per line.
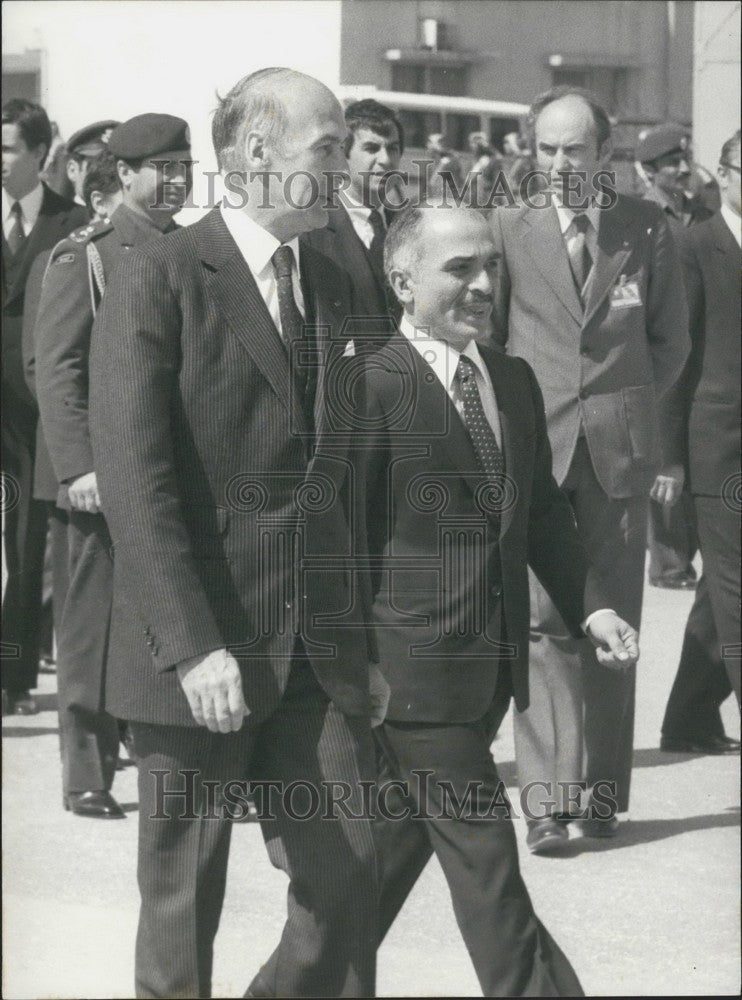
[90, 232]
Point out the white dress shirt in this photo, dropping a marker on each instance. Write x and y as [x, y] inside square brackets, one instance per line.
[734, 222]
[444, 360]
[360, 217]
[257, 247]
[30, 207]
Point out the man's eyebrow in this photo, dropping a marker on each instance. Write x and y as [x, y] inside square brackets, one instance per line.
[328, 137]
[456, 261]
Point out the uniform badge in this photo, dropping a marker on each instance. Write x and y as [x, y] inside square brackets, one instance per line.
[64, 258]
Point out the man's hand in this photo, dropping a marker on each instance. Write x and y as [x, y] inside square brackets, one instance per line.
[616, 642]
[379, 692]
[668, 485]
[83, 493]
[213, 686]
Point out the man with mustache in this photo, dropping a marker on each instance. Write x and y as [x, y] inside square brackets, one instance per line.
[454, 468]
[590, 294]
[354, 235]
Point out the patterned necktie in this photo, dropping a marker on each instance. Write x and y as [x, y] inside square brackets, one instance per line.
[16, 237]
[292, 324]
[482, 436]
[580, 260]
[376, 250]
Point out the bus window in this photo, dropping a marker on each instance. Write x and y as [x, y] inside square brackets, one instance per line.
[499, 128]
[418, 125]
[458, 128]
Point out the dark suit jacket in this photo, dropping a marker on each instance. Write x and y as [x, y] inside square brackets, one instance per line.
[708, 403]
[443, 570]
[57, 218]
[229, 525]
[57, 347]
[44, 481]
[372, 297]
[602, 366]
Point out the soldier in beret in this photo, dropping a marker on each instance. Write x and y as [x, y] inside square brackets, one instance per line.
[83, 147]
[78, 271]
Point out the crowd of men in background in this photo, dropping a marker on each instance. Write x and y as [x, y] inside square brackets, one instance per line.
[124, 408]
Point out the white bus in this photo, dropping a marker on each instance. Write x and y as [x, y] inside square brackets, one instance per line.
[455, 118]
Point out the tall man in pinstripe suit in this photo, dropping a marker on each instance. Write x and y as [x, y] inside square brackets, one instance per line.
[222, 475]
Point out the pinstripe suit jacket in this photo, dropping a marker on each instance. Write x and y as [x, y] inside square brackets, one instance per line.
[226, 509]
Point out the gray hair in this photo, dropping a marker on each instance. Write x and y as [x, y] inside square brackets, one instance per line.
[253, 103]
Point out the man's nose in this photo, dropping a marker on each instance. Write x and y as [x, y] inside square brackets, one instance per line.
[482, 282]
[560, 161]
[382, 157]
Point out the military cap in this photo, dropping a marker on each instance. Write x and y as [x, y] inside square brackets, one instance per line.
[92, 139]
[149, 134]
[661, 140]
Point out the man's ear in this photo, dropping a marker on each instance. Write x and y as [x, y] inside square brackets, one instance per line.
[256, 152]
[402, 285]
[71, 169]
[41, 152]
[125, 172]
[606, 151]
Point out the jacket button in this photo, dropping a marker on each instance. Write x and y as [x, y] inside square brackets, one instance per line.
[496, 591]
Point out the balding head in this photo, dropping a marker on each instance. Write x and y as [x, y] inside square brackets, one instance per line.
[263, 102]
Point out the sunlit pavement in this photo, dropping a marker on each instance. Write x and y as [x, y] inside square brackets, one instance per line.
[653, 912]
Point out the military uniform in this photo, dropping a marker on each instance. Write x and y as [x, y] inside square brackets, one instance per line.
[74, 283]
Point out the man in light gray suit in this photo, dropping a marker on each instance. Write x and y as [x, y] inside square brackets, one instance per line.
[588, 295]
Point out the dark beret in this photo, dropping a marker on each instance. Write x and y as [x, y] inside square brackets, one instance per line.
[92, 139]
[147, 135]
[661, 140]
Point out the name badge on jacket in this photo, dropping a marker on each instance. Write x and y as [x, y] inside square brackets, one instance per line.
[625, 294]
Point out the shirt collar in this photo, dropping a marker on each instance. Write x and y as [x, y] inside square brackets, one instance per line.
[255, 244]
[566, 215]
[30, 204]
[440, 355]
[734, 222]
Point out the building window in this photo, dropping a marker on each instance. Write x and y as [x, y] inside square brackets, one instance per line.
[418, 125]
[610, 84]
[22, 76]
[414, 79]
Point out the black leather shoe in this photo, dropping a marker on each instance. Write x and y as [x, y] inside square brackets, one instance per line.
[546, 835]
[21, 703]
[98, 805]
[596, 827]
[711, 745]
[674, 583]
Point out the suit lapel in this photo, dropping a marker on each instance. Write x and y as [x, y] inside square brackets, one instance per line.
[363, 263]
[613, 250]
[723, 237]
[235, 292]
[326, 313]
[513, 446]
[435, 414]
[544, 242]
[51, 226]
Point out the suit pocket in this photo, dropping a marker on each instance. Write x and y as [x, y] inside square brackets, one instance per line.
[641, 414]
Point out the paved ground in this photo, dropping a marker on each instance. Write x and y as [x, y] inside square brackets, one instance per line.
[655, 912]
